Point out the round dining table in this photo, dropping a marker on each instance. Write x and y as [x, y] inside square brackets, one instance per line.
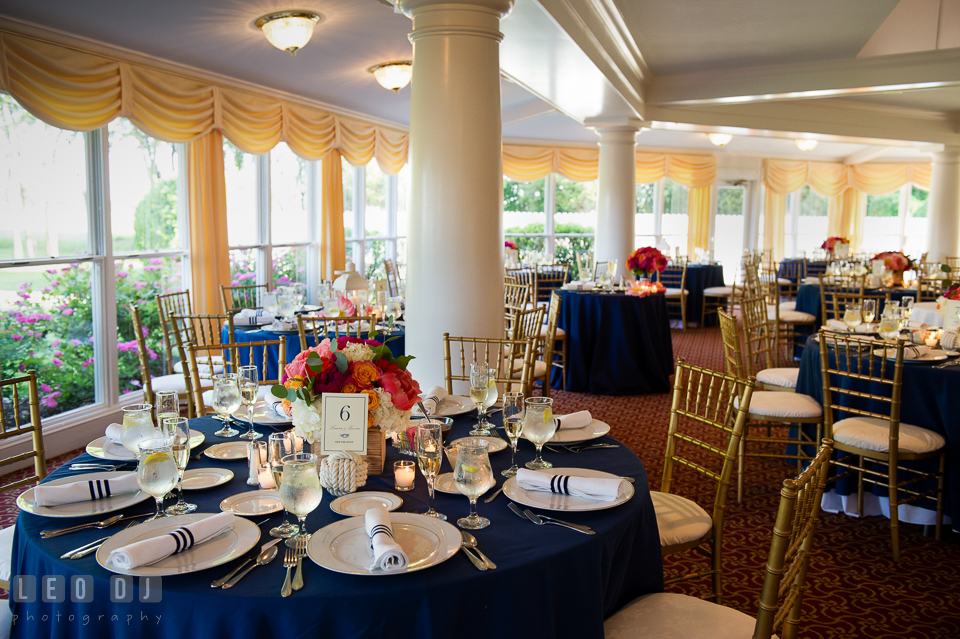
[550, 581]
[618, 344]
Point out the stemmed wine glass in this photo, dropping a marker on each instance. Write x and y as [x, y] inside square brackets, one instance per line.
[479, 389]
[493, 394]
[157, 471]
[869, 311]
[852, 317]
[473, 476]
[280, 445]
[513, 425]
[249, 386]
[177, 429]
[226, 401]
[906, 306]
[539, 425]
[889, 324]
[300, 491]
[167, 404]
[137, 426]
[392, 310]
[429, 457]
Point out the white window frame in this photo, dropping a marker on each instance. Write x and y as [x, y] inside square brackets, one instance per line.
[903, 212]
[359, 241]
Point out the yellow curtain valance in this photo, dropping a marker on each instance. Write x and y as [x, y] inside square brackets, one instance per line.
[831, 179]
[81, 91]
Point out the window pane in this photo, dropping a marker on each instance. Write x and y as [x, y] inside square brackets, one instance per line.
[567, 249]
[403, 201]
[674, 223]
[881, 230]
[528, 246]
[576, 206]
[351, 248]
[143, 190]
[243, 266]
[240, 171]
[728, 229]
[644, 223]
[289, 265]
[138, 282]
[373, 258]
[288, 196]
[375, 192]
[402, 255]
[35, 219]
[883, 205]
[918, 202]
[915, 228]
[46, 325]
[523, 207]
[811, 203]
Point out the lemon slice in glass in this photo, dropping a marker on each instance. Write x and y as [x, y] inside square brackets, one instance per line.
[547, 415]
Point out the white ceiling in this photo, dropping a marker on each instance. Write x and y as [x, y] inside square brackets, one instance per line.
[554, 78]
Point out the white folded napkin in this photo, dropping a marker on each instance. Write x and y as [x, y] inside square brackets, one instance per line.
[148, 551]
[589, 487]
[579, 286]
[837, 325]
[433, 398]
[85, 490]
[916, 324]
[251, 317]
[280, 325]
[573, 420]
[915, 352]
[387, 553]
[114, 432]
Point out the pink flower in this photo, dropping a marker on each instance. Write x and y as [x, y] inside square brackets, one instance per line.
[45, 388]
[58, 353]
[55, 283]
[121, 274]
[67, 311]
[16, 337]
[75, 342]
[57, 362]
[22, 368]
[48, 402]
[346, 307]
[56, 343]
[139, 285]
[404, 390]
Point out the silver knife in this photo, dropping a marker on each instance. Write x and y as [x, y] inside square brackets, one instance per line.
[219, 582]
[69, 554]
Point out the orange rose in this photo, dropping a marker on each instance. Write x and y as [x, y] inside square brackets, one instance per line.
[349, 387]
[373, 400]
[294, 382]
[369, 420]
[365, 374]
[287, 406]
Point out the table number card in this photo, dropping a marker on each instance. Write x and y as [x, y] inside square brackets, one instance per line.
[344, 426]
[950, 315]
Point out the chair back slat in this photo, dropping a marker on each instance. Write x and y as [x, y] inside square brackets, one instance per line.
[323, 327]
[20, 415]
[760, 336]
[516, 297]
[199, 330]
[203, 359]
[550, 277]
[730, 333]
[497, 353]
[168, 305]
[236, 298]
[836, 292]
[393, 280]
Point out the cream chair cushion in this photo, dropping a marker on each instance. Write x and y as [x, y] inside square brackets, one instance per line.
[788, 306]
[539, 368]
[718, 291]
[668, 615]
[203, 368]
[784, 377]
[783, 280]
[174, 382]
[790, 317]
[675, 292]
[679, 519]
[6, 554]
[871, 433]
[782, 405]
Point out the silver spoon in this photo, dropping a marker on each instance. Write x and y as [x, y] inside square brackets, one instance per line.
[471, 542]
[265, 558]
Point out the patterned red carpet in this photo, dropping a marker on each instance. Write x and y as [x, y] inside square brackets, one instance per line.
[854, 588]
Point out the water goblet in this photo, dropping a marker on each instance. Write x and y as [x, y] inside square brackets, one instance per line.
[493, 394]
[889, 326]
[473, 476]
[479, 389]
[300, 491]
[177, 429]
[137, 426]
[249, 381]
[429, 458]
[906, 306]
[539, 426]
[852, 317]
[280, 445]
[869, 311]
[513, 425]
[226, 401]
[331, 306]
[157, 470]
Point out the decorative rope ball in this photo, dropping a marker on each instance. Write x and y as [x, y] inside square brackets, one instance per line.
[342, 473]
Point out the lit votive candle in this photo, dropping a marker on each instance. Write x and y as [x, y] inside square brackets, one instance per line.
[933, 338]
[265, 477]
[403, 475]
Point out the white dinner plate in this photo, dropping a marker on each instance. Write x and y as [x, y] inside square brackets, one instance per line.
[452, 405]
[264, 413]
[345, 547]
[933, 355]
[566, 503]
[594, 430]
[202, 478]
[252, 503]
[445, 484]
[227, 451]
[215, 551]
[495, 443]
[356, 504]
[82, 508]
[102, 449]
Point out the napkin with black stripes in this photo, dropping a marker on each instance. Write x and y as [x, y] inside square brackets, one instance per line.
[599, 489]
[388, 556]
[90, 490]
[251, 317]
[149, 551]
[433, 398]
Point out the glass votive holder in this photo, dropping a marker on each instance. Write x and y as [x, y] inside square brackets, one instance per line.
[404, 472]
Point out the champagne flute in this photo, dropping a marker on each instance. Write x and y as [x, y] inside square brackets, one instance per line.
[429, 457]
[137, 426]
[300, 492]
[906, 306]
[280, 445]
[869, 311]
[479, 389]
[249, 386]
[157, 471]
[167, 404]
[177, 429]
[513, 425]
[226, 401]
[852, 317]
[473, 476]
[539, 425]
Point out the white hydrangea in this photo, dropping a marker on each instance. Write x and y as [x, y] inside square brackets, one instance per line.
[357, 352]
[388, 417]
[307, 419]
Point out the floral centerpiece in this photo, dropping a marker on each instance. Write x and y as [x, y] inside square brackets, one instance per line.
[348, 365]
[836, 245]
[896, 263]
[645, 261]
[510, 244]
[511, 252]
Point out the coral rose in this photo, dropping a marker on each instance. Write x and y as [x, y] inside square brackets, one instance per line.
[404, 390]
[365, 374]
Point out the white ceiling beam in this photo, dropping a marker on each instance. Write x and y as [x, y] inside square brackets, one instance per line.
[899, 72]
[866, 154]
[526, 112]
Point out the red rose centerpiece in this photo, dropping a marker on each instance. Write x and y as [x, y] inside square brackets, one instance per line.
[645, 261]
[895, 263]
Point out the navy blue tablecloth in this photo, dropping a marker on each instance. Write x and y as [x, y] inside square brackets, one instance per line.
[293, 345]
[814, 268]
[551, 581]
[699, 278]
[619, 344]
[808, 298]
[926, 401]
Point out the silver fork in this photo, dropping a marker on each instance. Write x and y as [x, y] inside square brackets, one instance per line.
[301, 551]
[289, 561]
[542, 520]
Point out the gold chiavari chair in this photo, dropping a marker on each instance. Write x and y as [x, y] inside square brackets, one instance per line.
[558, 356]
[202, 363]
[150, 384]
[393, 281]
[526, 323]
[928, 289]
[757, 357]
[675, 281]
[516, 297]
[168, 305]
[836, 292]
[497, 353]
[675, 616]
[527, 277]
[952, 262]
[236, 298]
[19, 415]
[199, 330]
[550, 277]
[859, 377]
[546, 345]
[600, 269]
[770, 408]
[786, 322]
[791, 275]
[717, 298]
[701, 397]
[321, 328]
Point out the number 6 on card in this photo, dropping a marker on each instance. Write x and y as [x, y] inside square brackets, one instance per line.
[344, 423]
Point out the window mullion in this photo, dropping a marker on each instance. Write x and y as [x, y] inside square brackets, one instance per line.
[658, 194]
[359, 212]
[902, 212]
[183, 217]
[313, 215]
[550, 209]
[391, 245]
[265, 261]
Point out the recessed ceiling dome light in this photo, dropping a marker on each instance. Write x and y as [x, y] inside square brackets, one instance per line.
[719, 139]
[393, 75]
[806, 145]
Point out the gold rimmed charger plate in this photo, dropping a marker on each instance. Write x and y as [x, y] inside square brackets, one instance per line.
[495, 444]
[203, 478]
[227, 451]
[252, 503]
[356, 504]
[27, 504]
[594, 430]
[451, 406]
[103, 449]
[566, 503]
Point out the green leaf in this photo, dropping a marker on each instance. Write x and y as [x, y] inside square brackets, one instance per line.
[313, 355]
[373, 335]
[342, 362]
[946, 268]
[279, 390]
[402, 361]
[291, 394]
[333, 346]
[381, 352]
[315, 366]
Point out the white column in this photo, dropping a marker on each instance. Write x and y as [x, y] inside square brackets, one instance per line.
[455, 250]
[616, 195]
[943, 208]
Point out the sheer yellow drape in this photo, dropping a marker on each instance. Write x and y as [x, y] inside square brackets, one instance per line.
[698, 223]
[332, 248]
[774, 212]
[526, 162]
[209, 254]
[846, 216]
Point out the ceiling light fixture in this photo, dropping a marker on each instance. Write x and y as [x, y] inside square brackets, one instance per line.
[719, 139]
[393, 75]
[288, 30]
[806, 145]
